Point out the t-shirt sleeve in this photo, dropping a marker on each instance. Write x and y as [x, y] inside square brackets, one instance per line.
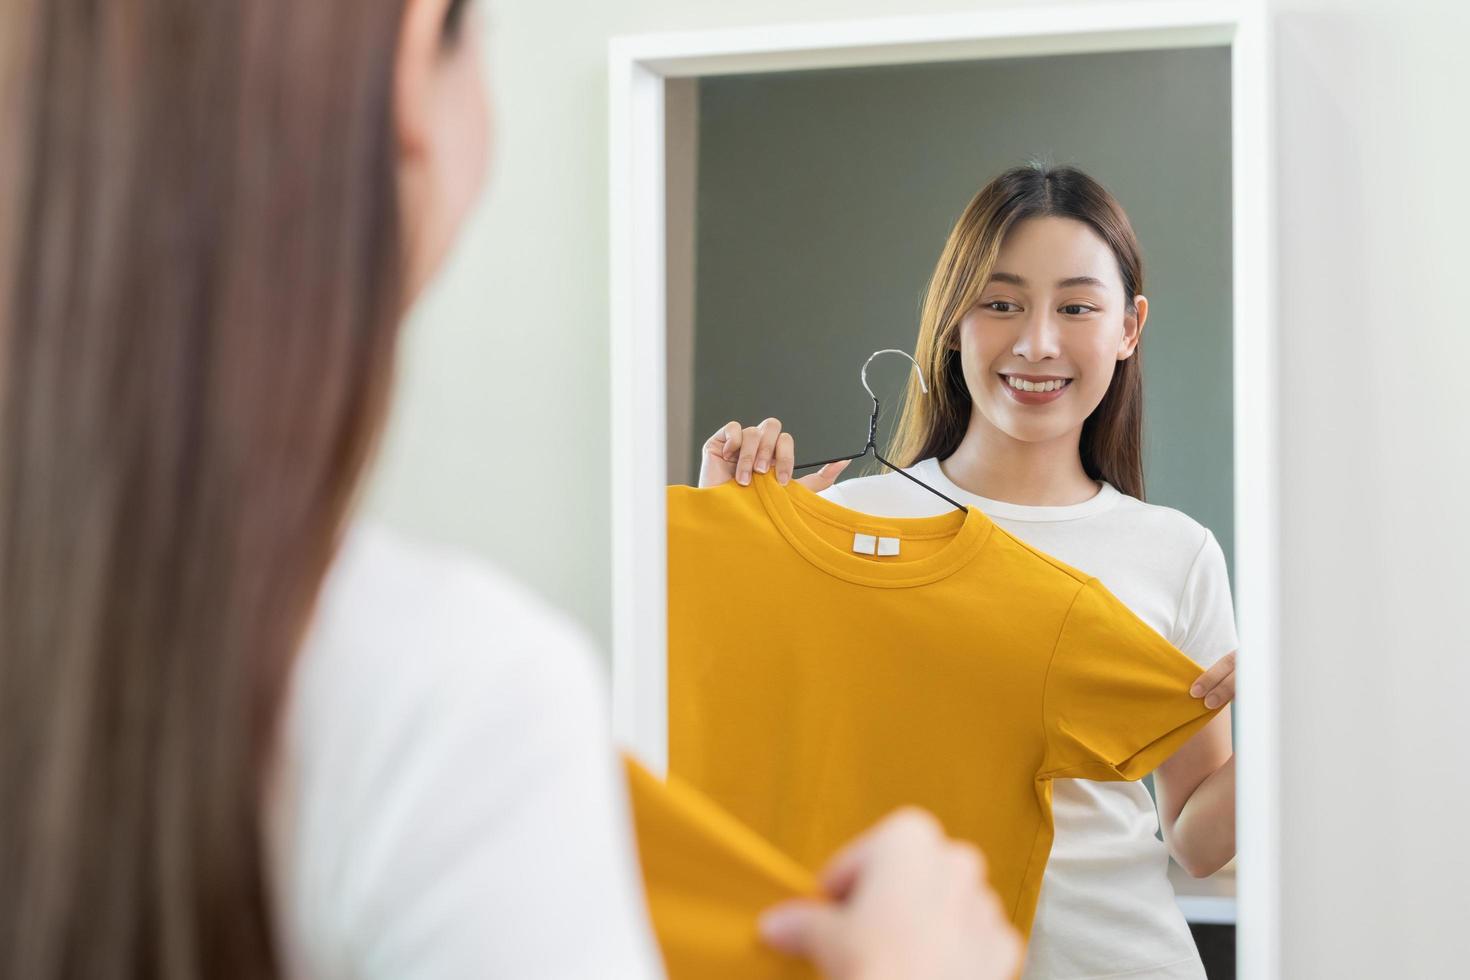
[1205, 625]
[1116, 702]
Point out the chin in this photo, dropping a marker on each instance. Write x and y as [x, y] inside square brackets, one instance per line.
[1006, 423]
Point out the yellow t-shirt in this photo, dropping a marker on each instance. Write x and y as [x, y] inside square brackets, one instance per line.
[707, 878]
[814, 687]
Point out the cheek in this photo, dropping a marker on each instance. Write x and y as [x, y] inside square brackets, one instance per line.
[980, 351]
[1096, 357]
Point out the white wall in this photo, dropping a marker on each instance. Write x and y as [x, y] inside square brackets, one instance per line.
[499, 437]
[1373, 277]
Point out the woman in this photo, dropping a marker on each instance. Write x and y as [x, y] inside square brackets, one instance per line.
[242, 735]
[1030, 332]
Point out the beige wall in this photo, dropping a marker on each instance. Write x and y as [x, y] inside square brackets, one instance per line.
[499, 437]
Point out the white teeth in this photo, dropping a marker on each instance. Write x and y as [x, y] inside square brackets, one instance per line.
[1036, 385]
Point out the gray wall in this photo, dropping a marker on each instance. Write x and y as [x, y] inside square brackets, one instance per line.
[824, 198]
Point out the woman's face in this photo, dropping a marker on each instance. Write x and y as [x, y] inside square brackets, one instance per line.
[1053, 309]
[443, 121]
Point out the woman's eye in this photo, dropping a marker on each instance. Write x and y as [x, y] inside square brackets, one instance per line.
[1076, 309]
[999, 302]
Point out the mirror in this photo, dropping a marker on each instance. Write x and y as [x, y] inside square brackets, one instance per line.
[805, 212]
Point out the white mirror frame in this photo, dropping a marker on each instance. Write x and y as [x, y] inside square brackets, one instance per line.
[640, 65]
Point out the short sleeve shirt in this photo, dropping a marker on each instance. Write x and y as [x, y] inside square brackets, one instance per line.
[827, 666]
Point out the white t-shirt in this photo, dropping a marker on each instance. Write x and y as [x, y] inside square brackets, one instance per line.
[1106, 907]
[446, 800]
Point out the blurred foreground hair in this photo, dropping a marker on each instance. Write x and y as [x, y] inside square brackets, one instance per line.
[199, 293]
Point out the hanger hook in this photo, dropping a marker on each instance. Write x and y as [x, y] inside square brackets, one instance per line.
[917, 370]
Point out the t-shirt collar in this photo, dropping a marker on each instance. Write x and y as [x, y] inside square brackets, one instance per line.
[932, 473]
[793, 506]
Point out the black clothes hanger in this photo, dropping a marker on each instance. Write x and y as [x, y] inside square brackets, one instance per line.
[871, 447]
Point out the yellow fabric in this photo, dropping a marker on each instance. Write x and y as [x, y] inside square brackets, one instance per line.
[708, 878]
[813, 689]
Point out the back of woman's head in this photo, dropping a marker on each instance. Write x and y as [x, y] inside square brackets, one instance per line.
[200, 268]
[933, 425]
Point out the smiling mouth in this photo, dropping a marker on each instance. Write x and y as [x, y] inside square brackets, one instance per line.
[1035, 387]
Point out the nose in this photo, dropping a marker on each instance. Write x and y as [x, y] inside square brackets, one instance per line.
[1039, 336]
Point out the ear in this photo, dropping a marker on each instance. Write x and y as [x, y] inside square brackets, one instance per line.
[1133, 327]
[413, 76]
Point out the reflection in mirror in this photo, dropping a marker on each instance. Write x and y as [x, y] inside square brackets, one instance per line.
[934, 208]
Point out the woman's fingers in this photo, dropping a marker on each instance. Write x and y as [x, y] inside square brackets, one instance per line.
[1223, 693]
[824, 477]
[750, 441]
[800, 927]
[721, 450]
[765, 456]
[903, 899]
[785, 457]
[728, 439]
[908, 824]
[735, 453]
[1216, 685]
[1206, 681]
[757, 448]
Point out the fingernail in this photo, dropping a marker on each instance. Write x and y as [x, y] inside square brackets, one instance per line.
[774, 925]
[1196, 691]
[743, 477]
[1212, 701]
[762, 466]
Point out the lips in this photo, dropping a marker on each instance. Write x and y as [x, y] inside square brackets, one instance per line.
[1034, 397]
[1006, 379]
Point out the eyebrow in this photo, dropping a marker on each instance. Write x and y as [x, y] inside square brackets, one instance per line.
[1014, 279]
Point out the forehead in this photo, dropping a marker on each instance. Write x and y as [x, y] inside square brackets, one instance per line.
[1046, 249]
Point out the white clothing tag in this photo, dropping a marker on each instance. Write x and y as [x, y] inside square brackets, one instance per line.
[871, 544]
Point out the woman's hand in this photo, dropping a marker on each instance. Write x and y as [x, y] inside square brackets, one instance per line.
[735, 452]
[906, 901]
[1216, 685]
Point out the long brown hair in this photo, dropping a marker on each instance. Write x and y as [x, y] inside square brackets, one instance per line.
[933, 424]
[200, 285]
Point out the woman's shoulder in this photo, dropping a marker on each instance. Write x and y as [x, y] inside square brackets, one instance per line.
[414, 644]
[375, 561]
[1162, 521]
[393, 603]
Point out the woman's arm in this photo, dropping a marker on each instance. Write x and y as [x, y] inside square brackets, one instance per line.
[1196, 786]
